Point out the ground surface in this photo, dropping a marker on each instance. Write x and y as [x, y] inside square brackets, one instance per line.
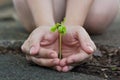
[13, 66]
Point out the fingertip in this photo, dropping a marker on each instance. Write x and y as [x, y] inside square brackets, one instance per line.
[65, 69]
[22, 47]
[58, 68]
[63, 62]
[53, 55]
[34, 50]
[56, 61]
[90, 50]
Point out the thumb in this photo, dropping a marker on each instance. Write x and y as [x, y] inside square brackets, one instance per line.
[86, 43]
[35, 44]
[34, 49]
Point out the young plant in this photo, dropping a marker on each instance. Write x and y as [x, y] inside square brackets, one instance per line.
[61, 28]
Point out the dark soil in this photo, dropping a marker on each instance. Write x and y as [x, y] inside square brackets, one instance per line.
[105, 62]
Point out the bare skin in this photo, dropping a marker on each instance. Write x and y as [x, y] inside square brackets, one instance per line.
[74, 48]
[37, 16]
[44, 49]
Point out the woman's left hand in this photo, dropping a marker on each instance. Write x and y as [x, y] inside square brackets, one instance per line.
[77, 47]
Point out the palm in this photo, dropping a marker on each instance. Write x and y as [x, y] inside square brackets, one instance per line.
[70, 44]
[50, 41]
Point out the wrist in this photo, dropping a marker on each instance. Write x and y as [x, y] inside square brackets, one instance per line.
[45, 23]
[73, 22]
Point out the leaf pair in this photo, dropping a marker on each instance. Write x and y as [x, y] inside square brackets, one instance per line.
[59, 27]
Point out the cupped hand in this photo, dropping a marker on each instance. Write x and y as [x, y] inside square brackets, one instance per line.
[41, 47]
[77, 46]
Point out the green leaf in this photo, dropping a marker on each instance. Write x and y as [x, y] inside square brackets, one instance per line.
[53, 29]
[62, 29]
[57, 25]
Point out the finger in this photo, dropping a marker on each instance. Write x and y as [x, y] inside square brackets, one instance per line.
[32, 44]
[25, 47]
[49, 39]
[85, 41]
[67, 68]
[63, 62]
[34, 49]
[58, 68]
[30, 47]
[35, 44]
[47, 53]
[77, 58]
[45, 62]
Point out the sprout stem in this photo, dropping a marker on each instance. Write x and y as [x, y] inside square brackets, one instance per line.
[60, 46]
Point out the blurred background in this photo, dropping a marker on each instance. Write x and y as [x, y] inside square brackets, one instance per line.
[7, 11]
[10, 27]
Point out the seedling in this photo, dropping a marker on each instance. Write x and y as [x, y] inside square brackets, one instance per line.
[61, 28]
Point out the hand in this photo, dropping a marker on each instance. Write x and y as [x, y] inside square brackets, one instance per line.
[77, 46]
[41, 47]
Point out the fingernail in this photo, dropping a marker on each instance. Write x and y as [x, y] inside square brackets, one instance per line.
[32, 50]
[53, 55]
[91, 49]
[65, 69]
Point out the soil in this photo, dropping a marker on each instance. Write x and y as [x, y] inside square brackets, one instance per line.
[105, 62]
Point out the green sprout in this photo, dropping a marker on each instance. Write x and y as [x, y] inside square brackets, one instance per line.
[61, 28]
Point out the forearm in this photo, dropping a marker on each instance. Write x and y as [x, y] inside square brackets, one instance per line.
[42, 12]
[77, 11]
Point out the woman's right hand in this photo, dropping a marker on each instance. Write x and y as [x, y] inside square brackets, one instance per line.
[41, 47]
